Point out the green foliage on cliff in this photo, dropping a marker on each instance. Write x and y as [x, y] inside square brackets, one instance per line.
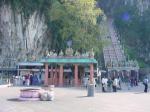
[76, 21]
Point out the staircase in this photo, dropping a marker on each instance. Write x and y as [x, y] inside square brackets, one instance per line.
[114, 56]
[113, 53]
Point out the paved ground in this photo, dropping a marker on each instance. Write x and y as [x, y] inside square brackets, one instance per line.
[75, 100]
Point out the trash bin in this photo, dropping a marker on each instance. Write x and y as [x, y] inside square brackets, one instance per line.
[91, 90]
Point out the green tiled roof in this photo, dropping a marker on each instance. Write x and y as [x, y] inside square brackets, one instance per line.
[69, 60]
[30, 64]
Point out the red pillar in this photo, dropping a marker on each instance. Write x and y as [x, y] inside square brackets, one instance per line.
[61, 71]
[46, 75]
[76, 75]
[55, 77]
[91, 73]
[51, 77]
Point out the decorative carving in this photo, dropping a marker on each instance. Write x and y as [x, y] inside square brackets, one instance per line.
[33, 58]
[132, 63]
[119, 64]
[69, 52]
[51, 53]
[115, 64]
[77, 53]
[135, 63]
[54, 54]
[127, 63]
[91, 53]
[61, 53]
[47, 53]
[85, 54]
[109, 64]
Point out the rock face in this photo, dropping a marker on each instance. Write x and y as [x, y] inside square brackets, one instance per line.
[142, 48]
[20, 38]
[142, 5]
[109, 5]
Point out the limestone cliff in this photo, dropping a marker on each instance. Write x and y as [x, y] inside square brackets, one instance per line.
[20, 38]
[109, 5]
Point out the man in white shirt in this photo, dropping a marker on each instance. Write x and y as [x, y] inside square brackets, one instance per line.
[115, 84]
[104, 84]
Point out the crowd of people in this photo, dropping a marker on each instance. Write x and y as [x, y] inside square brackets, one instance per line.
[111, 84]
[108, 84]
[27, 80]
[114, 84]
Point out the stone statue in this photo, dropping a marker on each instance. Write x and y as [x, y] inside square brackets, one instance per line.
[47, 53]
[77, 53]
[85, 54]
[61, 53]
[119, 64]
[33, 58]
[54, 54]
[91, 53]
[51, 53]
[109, 64]
[135, 63]
[69, 52]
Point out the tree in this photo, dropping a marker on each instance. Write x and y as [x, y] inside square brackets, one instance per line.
[75, 20]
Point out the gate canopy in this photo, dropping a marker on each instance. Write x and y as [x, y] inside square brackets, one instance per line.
[72, 60]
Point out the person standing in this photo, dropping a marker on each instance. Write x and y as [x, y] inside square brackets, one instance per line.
[119, 83]
[115, 84]
[94, 82]
[145, 82]
[109, 84]
[27, 80]
[31, 79]
[23, 80]
[85, 81]
[104, 84]
[129, 83]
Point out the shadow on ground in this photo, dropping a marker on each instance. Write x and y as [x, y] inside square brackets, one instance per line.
[14, 100]
[82, 96]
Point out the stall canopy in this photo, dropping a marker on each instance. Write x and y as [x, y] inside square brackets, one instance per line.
[30, 64]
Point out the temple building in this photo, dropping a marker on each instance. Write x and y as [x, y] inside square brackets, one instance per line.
[74, 65]
[64, 69]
